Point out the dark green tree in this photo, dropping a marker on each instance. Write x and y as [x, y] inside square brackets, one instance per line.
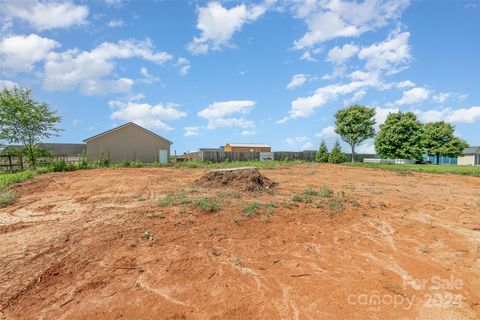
[26, 121]
[355, 125]
[441, 141]
[336, 155]
[322, 153]
[400, 136]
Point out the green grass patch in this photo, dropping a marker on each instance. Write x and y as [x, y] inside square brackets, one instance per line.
[311, 192]
[177, 198]
[251, 209]
[7, 179]
[6, 197]
[208, 204]
[406, 169]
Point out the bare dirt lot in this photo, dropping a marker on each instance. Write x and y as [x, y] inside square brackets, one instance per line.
[96, 244]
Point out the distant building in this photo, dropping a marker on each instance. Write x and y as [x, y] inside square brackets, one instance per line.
[247, 147]
[70, 150]
[471, 157]
[128, 142]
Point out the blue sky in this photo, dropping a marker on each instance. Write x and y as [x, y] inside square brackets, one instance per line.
[204, 73]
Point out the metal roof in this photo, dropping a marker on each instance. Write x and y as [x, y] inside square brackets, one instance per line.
[471, 150]
[257, 145]
[123, 126]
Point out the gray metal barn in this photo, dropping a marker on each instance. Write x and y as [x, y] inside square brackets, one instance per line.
[128, 142]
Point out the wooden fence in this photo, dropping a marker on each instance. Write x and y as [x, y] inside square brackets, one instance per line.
[11, 163]
[220, 156]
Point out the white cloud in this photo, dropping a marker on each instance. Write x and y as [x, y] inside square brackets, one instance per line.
[381, 114]
[192, 131]
[144, 114]
[300, 142]
[147, 77]
[331, 19]
[218, 24]
[222, 114]
[45, 15]
[7, 84]
[72, 68]
[307, 56]
[183, 65]
[103, 87]
[248, 133]
[115, 23]
[339, 55]
[297, 81]
[20, 53]
[441, 97]
[390, 55]
[462, 115]
[305, 106]
[405, 84]
[412, 96]
[327, 132]
[365, 148]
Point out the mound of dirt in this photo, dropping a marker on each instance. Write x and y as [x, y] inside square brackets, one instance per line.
[244, 179]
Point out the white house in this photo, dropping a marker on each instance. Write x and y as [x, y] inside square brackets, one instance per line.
[471, 157]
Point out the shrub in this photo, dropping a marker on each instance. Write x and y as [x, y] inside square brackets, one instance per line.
[322, 153]
[6, 197]
[251, 209]
[125, 163]
[208, 205]
[336, 155]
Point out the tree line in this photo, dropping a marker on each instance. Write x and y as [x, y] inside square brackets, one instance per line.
[401, 136]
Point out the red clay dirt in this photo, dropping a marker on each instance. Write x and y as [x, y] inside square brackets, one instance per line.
[73, 246]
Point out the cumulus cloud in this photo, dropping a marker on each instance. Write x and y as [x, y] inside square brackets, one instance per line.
[74, 68]
[218, 24]
[327, 20]
[45, 15]
[297, 81]
[248, 133]
[326, 132]
[365, 148]
[307, 56]
[7, 84]
[192, 131]
[462, 115]
[144, 114]
[405, 84]
[390, 55]
[20, 53]
[228, 114]
[441, 97]
[115, 23]
[147, 77]
[381, 114]
[339, 55]
[412, 96]
[183, 65]
[300, 142]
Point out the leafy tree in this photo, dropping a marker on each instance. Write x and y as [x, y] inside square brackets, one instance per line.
[400, 136]
[441, 141]
[26, 121]
[355, 125]
[336, 155]
[322, 153]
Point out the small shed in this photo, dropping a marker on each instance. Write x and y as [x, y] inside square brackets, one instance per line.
[128, 142]
[247, 147]
[470, 157]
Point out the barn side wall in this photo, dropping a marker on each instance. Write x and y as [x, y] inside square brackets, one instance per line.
[128, 143]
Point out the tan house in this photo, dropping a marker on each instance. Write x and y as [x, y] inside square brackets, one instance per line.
[247, 147]
[128, 142]
[470, 157]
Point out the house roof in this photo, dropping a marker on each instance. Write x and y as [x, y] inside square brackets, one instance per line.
[68, 149]
[126, 125]
[254, 145]
[471, 150]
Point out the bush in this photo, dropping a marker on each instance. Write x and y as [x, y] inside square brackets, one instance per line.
[6, 197]
[336, 155]
[322, 153]
[125, 163]
[61, 166]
